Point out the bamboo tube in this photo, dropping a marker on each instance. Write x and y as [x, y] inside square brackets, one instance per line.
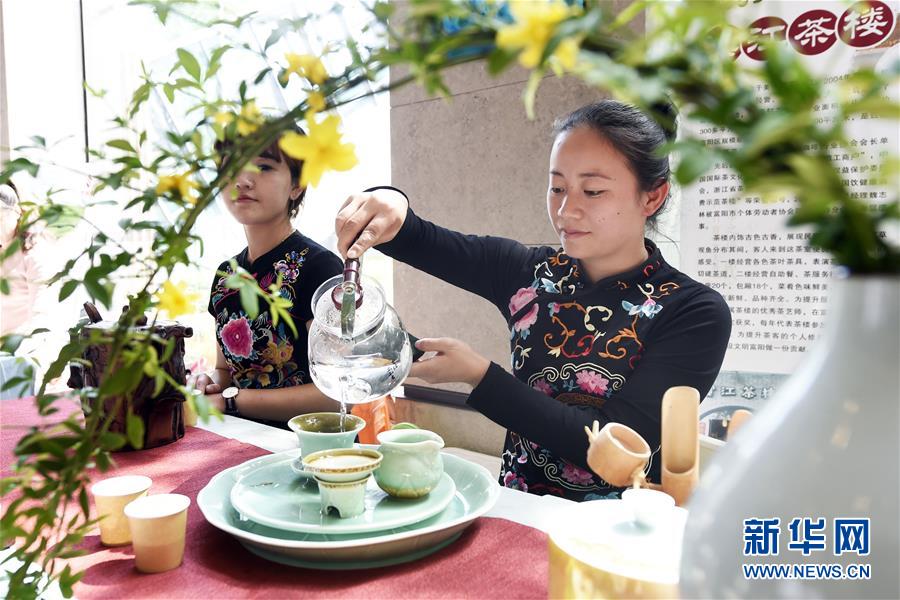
[680, 442]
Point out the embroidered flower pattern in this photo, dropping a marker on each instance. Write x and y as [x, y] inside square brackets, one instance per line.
[237, 338]
[583, 347]
[648, 309]
[524, 324]
[278, 354]
[520, 299]
[592, 383]
[289, 267]
[511, 480]
[259, 353]
[541, 385]
[577, 475]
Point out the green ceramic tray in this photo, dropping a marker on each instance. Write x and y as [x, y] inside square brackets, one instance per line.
[271, 494]
[476, 493]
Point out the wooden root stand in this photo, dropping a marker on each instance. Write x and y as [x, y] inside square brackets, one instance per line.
[163, 414]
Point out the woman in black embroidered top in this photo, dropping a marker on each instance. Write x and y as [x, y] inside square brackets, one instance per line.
[262, 367]
[599, 329]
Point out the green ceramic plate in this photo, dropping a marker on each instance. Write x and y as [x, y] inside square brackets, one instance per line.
[272, 495]
[476, 493]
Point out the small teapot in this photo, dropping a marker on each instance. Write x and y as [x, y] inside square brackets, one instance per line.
[412, 464]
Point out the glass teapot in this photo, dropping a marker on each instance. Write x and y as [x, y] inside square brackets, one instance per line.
[358, 350]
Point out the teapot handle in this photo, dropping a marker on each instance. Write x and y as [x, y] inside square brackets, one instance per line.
[351, 276]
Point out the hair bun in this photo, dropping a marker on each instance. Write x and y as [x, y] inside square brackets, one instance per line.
[666, 115]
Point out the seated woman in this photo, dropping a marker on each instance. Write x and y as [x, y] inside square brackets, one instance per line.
[600, 329]
[262, 370]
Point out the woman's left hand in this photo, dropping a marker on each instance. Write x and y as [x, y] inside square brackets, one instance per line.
[216, 401]
[454, 361]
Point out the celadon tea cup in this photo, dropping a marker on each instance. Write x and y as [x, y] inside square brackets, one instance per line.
[412, 465]
[342, 475]
[322, 431]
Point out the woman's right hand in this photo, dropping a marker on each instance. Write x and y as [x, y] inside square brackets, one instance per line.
[369, 219]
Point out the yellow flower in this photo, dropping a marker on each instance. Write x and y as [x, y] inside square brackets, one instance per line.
[534, 25]
[223, 118]
[250, 119]
[566, 53]
[182, 184]
[315, 101]
[174, 300]
[322, 150]
[305, 65]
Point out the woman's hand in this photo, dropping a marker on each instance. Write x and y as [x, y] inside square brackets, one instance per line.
[205, 384]
[454, 361]
[369, 219]
[216, 401]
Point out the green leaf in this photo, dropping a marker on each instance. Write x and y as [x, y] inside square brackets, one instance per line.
[383, 10]
[122, 381]
[98, 291]
[68, 288]
[103, 462]
[190, 64]
[695, 160]
[11, 249]
[16, 165]
[110, 441]
[159, 382]
[169, 91]
[83, 502]
[121, 145]
[498, 60]
[134, 428]
[11, 342]
[139, 97]
[4, 286]
[12, 382]
[249, 301]
[881, 107]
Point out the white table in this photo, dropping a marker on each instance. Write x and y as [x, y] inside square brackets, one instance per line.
[528, 509]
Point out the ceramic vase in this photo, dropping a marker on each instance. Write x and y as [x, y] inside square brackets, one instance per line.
[825, 447]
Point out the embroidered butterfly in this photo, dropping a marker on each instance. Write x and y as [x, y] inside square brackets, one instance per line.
[648, 309]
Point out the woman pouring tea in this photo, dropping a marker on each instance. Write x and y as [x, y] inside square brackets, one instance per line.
[599, 328]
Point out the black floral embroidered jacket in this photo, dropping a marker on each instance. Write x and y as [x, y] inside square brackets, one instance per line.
[580, 351]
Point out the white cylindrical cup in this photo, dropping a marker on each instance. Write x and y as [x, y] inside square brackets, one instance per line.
[158, 524]
[110, 498]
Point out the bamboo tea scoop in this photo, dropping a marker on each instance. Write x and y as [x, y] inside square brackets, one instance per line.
[620, 455]
[680, 442]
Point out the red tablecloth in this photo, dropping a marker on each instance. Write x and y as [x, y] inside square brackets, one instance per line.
[493, 557]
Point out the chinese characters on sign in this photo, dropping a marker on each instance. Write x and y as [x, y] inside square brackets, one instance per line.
[862, 25]
[739, 244]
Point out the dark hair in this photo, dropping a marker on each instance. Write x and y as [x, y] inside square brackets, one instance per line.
[633, 133]
[273, 152]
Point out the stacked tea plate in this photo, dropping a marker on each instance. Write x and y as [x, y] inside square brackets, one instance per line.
[340, 518]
